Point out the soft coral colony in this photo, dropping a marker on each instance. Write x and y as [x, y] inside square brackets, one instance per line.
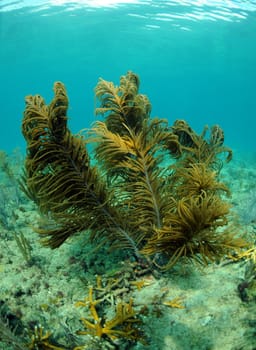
[152, 189]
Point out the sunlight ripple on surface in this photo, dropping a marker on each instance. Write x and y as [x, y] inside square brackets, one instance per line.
[8, 5]
[154, 13]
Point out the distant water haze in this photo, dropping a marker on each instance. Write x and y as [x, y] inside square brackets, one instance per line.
[196, 60]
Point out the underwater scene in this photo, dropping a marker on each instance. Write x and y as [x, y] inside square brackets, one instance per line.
[127, 167]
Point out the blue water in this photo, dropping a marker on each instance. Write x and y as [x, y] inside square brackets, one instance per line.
[196, 60]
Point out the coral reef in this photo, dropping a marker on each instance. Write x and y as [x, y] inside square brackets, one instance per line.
[41, 340]
[150, 188]
[121, 325]
[188, 307]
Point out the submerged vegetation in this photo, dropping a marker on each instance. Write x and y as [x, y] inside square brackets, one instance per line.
[153, 188]
[148, 192]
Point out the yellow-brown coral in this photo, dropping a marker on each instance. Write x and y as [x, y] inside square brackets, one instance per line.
[120, 326]
[41, 341]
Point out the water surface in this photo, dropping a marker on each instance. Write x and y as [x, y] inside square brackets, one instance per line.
[196, 59]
